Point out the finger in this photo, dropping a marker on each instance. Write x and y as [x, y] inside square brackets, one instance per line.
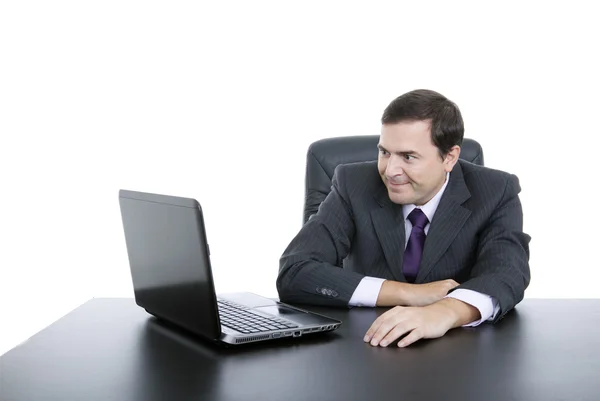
[413, 336]
[382, 332]
[452, 284]
[374, 326]
[377, 324]
[398, 331]
[389, 324]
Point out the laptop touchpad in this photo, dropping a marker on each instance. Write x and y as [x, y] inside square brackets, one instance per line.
[290, 314]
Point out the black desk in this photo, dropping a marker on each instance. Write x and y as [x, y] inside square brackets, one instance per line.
[110, 349]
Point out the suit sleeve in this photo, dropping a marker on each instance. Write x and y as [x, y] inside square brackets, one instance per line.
[502, 266]
[310, 269]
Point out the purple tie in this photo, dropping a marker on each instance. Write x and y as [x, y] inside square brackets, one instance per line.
[414, 248]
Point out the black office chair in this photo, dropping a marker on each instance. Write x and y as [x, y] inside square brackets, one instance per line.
[326, 154]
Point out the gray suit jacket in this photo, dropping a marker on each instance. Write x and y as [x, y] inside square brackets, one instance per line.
[476, 238]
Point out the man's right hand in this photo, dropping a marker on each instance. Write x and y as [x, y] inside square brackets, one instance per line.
[394, 293]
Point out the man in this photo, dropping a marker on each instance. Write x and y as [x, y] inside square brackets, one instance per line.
[438, 238]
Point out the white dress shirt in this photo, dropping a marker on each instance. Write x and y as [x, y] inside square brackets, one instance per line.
[368, 289]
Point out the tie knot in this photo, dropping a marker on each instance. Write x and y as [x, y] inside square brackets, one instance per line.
[418, 218]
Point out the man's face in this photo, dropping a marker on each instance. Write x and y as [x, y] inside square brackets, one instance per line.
[409, 163]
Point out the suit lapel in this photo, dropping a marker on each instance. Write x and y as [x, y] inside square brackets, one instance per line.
[388, 222]
[448, 220]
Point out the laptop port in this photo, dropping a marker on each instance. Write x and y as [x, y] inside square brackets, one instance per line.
[297, 333]
[276, 335]
[287, 333]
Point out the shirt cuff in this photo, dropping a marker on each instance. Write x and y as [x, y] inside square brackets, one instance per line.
[367, 292]
[488, 306]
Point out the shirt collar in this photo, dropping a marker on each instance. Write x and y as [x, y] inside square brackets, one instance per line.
[430, 207]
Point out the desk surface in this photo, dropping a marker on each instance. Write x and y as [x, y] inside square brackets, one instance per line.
[110, 349]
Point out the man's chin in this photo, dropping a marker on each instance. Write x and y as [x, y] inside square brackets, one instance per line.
[400, 199]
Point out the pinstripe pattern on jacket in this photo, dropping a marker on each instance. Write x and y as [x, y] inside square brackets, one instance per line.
[476, 238]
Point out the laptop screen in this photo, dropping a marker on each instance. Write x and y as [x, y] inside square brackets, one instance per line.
[169, 261]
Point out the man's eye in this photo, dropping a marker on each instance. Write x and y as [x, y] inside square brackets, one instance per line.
[383, 152]
[408, 157]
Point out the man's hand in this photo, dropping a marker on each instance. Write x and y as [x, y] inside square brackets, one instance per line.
[430, 321]
[394, 293]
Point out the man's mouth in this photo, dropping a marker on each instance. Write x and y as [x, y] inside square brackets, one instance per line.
[397, 183]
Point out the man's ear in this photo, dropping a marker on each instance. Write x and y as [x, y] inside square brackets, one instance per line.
[451, 158]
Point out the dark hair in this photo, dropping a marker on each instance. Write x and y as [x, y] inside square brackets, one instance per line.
[447, 126]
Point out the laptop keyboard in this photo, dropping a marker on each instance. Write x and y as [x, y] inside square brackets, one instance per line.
[245, 321]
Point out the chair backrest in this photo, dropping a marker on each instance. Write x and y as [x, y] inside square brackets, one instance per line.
[326, 154]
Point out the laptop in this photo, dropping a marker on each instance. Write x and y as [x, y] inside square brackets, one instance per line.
[170, 266]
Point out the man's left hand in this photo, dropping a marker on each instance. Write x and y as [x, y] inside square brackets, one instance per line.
[430, 321]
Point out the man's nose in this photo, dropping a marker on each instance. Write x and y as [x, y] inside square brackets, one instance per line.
[394, 166]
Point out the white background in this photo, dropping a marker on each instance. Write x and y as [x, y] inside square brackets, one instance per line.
[220, 102]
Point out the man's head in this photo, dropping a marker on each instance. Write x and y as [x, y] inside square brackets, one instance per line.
[420, 142]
